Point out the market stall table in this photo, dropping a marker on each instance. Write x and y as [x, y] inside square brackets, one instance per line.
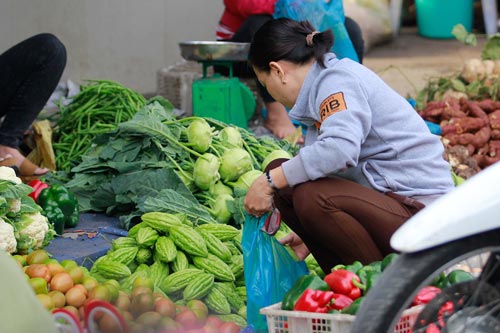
[90, 240]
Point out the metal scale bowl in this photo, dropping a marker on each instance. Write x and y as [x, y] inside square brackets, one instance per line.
[220, 97]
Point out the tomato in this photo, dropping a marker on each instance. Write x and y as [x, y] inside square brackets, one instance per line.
[39, 285]
[46, 300]
[61, 282]
[149, 319]
[75, 296]
[229, 327]
[188, 319]
[38, 270]
[214, 321]
[122, 302]
[54, 268]
[107, 324]
[58, 298]
[37, 257]
[76, 274]
[199, 308]
[89, 282]
[100, 292]
[165, 307]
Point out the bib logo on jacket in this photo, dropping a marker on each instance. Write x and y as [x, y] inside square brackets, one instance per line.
[331, 105]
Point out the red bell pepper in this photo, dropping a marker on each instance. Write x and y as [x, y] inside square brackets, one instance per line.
[425, 295]
[342, 281]
[314, 301]
[37, 186]
[339, 302]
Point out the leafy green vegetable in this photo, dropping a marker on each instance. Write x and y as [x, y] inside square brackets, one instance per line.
[491, 49]
[463, 35]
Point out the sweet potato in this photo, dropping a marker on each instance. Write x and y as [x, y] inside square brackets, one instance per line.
[462, 125]
[495, 134]
[452, 110]
[494, 118]
[494, 148]
[484, 161]
[476, 111]
[489, 105]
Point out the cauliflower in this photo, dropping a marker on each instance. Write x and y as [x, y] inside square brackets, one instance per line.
[7, 173]
[8, 241]
[33, 232]
[14, 205]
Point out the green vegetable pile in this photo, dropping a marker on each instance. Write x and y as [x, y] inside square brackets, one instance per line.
[97, 109]
[182, 261]
[156, 162]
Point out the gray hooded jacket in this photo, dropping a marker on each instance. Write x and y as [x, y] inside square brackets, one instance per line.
[360, 129]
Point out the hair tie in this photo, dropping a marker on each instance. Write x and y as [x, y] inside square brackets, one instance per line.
[309, 38]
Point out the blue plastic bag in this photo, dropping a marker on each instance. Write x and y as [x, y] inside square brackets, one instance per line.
[323, 16]
[270, 270]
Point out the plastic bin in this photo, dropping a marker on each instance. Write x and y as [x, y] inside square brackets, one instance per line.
[282, 321]
[222, 98]
[436, 18]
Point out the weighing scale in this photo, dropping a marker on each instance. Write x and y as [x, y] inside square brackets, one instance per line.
[224, 98]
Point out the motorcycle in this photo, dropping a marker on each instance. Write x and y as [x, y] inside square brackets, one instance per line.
[459, 230]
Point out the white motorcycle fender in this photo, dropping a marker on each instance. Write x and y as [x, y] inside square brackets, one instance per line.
[470, 208]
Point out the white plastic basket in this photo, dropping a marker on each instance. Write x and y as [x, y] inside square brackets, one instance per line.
[282, 321]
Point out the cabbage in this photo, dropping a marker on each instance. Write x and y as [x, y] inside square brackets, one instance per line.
[199, 135]
[231, 137]
[241, 186]
[220, 188]
[206, 171]
[233, 163]
[220, 209]
[275, 154]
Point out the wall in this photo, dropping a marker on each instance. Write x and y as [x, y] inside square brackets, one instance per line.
[123, 40]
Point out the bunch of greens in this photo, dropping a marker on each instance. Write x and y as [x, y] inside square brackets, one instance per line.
[96, 109]
[157, 162]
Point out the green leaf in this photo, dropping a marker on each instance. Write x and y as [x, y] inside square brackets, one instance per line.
[171, 201]
[491, 49]
[463, 35]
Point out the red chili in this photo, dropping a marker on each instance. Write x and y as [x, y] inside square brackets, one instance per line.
[314, 301]
[425, 295]
[342, 281]
[37, 186]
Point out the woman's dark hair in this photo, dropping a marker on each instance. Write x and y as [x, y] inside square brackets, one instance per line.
[285, 39]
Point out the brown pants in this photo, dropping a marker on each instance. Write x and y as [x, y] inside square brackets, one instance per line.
[341, 221]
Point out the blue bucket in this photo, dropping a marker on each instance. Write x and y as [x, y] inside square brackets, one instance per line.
[436, 18]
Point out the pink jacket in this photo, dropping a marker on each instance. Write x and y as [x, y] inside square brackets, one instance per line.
[237, 11]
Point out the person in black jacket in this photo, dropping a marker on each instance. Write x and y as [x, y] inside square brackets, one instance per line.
[29, 73]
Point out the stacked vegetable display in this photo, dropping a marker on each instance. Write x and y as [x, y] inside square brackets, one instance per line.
[67, 285]
[466, 106]
[155, 162]
[183, 261]
[22, 226]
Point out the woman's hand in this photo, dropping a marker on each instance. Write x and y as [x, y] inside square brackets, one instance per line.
[297, 245]
[259, 198]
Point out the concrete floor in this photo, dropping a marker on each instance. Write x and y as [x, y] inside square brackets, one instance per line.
[407, 62]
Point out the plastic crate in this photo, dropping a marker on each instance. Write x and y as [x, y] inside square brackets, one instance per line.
[282, 321]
